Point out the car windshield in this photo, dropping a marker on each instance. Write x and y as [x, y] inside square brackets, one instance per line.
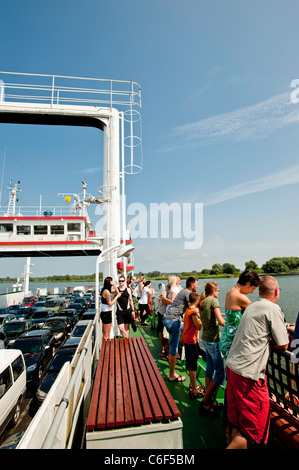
[53, 325]
[14, 327]
[52, 303]
[79, 330]
[39, 314]
[60, 359]
[28, 345]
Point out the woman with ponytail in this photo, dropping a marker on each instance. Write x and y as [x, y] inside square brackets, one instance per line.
[211, 318]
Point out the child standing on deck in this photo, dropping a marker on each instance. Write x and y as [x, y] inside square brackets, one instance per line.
[192, 326]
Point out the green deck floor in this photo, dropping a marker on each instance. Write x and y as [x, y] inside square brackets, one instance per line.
[199, 431]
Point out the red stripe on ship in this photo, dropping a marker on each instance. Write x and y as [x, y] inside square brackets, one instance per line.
[47, 243]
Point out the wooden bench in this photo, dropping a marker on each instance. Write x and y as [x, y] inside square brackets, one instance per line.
[128, 388]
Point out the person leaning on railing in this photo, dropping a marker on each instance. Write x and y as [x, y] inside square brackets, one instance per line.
[248, 402]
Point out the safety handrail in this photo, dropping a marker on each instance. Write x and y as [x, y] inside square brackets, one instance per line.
[283, 381]
[112, 92]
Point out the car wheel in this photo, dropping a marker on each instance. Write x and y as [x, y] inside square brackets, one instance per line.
[16, 415]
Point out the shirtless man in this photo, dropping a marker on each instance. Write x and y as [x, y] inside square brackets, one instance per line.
[235, 303]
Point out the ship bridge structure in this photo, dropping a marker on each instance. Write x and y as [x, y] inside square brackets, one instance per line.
[112, 106]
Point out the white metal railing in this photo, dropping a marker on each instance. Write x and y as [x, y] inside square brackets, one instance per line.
[56, 89]
[54, 425]
[37, 211]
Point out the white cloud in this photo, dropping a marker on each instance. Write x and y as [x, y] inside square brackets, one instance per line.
[247, 123]
[275, 180]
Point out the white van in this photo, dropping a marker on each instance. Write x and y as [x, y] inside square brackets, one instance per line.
[12, 386]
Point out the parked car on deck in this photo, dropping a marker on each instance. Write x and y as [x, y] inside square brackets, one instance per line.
[12, 386]
[4, 310]
[40, 316]
[80, 328]
[79, 307]
[71, 314]
[13, 307]
[38, 347]
[81, 300]
[16, 328]
[59, 326]
[22, 312]
[39, 304]
[64, 354]
[6, 317]
[89, 315]
[29, 301]
[56, 305]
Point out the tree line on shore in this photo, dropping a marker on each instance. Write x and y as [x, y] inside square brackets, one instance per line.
[277, 265]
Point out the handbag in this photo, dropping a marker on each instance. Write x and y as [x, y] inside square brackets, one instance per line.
[133, 325]
[150, 306]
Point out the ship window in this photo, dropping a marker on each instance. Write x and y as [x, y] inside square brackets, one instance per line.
[57, 229]
[40, 229]
[23, 230]
[6, 228]
[73, 227]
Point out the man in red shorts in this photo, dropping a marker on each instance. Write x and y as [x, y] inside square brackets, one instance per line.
[248, 404]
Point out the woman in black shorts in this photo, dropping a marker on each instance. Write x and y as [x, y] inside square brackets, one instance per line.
[108, 299]
[125, 308]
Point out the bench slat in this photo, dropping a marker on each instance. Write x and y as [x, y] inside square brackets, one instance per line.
[111, 387]
[137, 408]
[166, 411]
[147, 411]
[93, 410]
[127, 396]
[101, 418]
[119, 394]
[170, 401]
[148, 384]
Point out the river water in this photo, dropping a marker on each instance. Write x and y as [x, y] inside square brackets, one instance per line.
[288, 301]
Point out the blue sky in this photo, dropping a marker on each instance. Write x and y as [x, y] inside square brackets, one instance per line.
[218, 125]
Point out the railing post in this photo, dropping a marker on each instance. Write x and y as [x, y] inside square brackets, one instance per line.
[53, 85]
[1, 91]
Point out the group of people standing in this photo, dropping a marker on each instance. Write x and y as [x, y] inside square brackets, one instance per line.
[239, 354]
[122, 295]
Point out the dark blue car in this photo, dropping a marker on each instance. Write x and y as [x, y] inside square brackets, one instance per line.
[64, 354]
[38, 348]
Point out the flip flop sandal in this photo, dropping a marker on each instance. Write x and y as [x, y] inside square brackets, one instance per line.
[179, 378]
[200, 389]
[163, 357]
[194, 395]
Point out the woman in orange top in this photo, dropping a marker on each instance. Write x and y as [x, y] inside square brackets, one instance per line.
[192, 326]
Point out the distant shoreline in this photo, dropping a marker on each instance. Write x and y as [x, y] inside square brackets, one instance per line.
[163, 278]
